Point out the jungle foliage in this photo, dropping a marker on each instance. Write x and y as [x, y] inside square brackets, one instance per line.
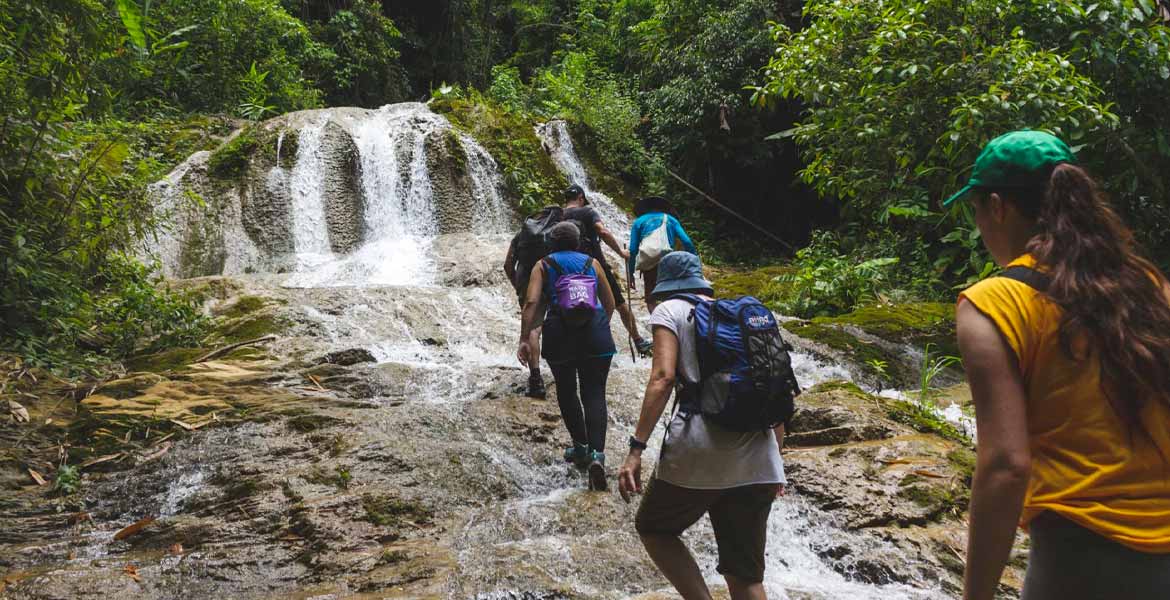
[899, 96]
[850, 117]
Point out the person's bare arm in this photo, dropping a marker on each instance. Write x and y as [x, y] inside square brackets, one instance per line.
[605, 294]
[1003, 459]
[533, 306]
[779, 431]
[658, 389]
[607, 237]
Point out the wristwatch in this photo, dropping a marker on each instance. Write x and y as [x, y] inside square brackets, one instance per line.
[636, 444]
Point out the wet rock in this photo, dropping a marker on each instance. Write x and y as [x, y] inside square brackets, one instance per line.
[341, 188]
[348, 357]
[450, 180]
[131, 385]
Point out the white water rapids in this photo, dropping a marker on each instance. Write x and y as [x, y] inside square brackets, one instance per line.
[444, 339]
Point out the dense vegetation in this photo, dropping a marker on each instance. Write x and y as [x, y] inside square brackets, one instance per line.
[850, 117]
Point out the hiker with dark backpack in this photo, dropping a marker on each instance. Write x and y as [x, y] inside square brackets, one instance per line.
[735, 389]
[654, 233]
[593, 234]
[527, 248]
[569, 288]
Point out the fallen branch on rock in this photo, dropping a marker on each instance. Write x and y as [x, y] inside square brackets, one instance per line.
[224, 350]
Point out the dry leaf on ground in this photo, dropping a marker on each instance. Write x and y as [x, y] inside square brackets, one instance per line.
[37, 477]
[18, 411]
[133, 529]
[132, 571]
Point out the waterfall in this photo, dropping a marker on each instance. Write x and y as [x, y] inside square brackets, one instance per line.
[310, 234]
[555, 135]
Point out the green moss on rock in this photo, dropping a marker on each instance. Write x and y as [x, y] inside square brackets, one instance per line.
[756, 282]
[861, 352]
[918, 323]
[230, 160]
[167, 360]
[924, 420]
[530, 176]
[392, 511]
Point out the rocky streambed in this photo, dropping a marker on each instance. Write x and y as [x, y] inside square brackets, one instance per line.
[354, 427]
[380, 447]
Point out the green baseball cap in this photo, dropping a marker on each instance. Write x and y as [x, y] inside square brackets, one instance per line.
[1020, 159]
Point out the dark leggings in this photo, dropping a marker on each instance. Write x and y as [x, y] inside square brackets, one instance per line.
[1068, 562]
[585, 426]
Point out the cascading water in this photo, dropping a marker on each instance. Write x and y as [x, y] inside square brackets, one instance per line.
[439, 418]
[556, 138]
[401, 214]
[309, 232]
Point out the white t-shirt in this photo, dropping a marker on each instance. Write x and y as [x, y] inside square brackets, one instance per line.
[697, 453]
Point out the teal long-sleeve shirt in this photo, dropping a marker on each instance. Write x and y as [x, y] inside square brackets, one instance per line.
[647, 223]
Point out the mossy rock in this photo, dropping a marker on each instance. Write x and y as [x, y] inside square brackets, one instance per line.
[918, 323]
[230, 160]
[250, 327]
[732, 283]
[167, 360]
[924, 420]
[862, 353]
[392, 511]
[245, 305]
[530, 177]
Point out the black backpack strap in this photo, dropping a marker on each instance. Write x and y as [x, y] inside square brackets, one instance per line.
[1027, 276]
[588, 265]
[550, 263]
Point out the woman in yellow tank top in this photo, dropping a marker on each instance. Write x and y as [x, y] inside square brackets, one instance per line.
[1068, 357]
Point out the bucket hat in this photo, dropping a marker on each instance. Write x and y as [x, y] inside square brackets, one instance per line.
[1017, 160]
[679, 271]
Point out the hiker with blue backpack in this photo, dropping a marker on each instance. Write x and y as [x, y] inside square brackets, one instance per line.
[655, 233]
[570, 289]
[734, 390]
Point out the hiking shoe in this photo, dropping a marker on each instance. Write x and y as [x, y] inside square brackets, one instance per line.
[578, 455]
[535, 386]
[597, 481]
[645, 347]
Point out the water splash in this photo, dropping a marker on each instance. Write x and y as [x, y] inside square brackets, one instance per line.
[555, 135]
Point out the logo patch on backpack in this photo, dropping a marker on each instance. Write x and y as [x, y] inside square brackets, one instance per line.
[576, 293]
[747, 382]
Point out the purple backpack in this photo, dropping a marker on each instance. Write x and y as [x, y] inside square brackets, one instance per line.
[576, 293]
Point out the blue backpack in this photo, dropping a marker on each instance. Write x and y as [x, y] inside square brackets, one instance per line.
[746, 383]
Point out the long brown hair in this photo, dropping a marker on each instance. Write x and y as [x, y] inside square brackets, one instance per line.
[1110, 295]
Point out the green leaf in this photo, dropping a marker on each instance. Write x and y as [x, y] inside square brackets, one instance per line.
[781, 135]
[132, 19]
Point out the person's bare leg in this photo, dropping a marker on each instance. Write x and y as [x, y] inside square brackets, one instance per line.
[744, 590]
[671, 557]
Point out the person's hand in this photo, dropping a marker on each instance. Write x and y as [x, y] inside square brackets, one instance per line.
[630, 475]
[780, 491]
[523, 352]
[625, 254]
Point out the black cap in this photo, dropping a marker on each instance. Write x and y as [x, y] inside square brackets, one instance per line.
[651, 204]
[575, 190]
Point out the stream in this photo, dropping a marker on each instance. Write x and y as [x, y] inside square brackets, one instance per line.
[418, 470]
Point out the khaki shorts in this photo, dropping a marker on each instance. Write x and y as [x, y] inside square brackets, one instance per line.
[739, 517]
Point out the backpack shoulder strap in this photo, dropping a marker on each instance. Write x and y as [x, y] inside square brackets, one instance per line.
[588, 265]
[551, 263]
[1027, 276]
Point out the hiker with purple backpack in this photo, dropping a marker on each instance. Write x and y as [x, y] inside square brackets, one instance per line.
[570, 289]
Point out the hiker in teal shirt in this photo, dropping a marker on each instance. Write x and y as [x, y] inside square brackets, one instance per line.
[651, 212]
